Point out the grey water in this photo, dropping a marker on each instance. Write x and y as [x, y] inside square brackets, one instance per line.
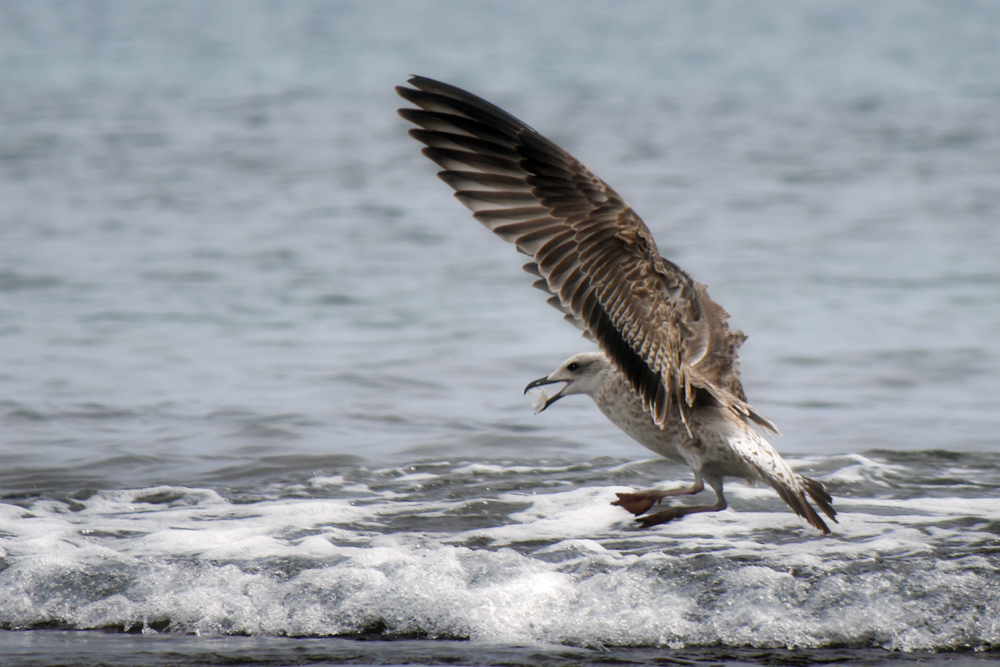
[261, 376]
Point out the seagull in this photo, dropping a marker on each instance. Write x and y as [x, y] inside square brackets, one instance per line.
[666, 371]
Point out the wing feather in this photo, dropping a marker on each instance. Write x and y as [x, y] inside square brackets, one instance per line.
[478, 200]
[591, 253]
[471, 180]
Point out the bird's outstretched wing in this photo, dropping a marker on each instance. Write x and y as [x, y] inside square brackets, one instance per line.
[589, 249]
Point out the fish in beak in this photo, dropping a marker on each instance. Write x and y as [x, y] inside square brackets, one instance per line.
[544, 400]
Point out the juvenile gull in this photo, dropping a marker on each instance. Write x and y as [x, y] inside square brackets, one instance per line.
[667, 371]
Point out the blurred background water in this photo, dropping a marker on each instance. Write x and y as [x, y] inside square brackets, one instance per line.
[225, 267]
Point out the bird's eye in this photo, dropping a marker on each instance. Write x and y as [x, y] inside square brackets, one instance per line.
[573, 367]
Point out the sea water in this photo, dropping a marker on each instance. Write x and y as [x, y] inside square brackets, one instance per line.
[261, 376]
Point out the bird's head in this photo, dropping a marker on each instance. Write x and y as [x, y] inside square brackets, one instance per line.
[583, 373]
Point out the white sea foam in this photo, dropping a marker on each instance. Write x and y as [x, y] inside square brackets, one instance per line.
[554, 566]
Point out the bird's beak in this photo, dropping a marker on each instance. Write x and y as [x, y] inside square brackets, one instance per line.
[551, 399]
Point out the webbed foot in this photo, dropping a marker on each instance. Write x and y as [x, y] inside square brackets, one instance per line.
[636, 503]
[662, 517]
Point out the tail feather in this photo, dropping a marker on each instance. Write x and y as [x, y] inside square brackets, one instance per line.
[820, 496]
[796, 500]
[792, 487]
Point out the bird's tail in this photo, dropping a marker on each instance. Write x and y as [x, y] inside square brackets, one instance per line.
[820, 496]
[793, 488]
[795, 496]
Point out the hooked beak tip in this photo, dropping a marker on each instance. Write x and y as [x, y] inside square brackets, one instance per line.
[538, 383]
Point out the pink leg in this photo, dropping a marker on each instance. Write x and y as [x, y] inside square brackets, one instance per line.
[638, 503]
[678, 512]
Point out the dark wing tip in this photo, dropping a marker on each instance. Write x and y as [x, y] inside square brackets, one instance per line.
[429, 85]
[429, 92]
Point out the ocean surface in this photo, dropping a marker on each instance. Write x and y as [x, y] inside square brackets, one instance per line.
[261, 376]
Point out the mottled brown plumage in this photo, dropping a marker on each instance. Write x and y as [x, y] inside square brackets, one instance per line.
[594, 255]
[595, 258]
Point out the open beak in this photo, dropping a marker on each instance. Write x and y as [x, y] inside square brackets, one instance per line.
[549, 400]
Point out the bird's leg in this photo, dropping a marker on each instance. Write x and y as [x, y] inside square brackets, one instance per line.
[638, 503]
[678, 512]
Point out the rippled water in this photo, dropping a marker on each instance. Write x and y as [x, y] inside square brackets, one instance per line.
[261, 375]
[518, 554]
